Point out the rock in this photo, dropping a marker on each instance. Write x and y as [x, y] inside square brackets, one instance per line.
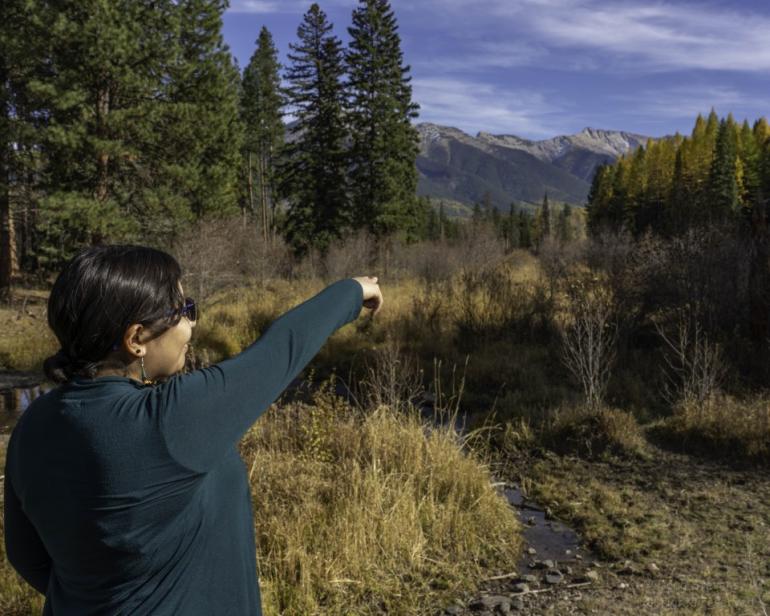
[627, 568]
[497, 602]
[578, 557]
[592, 576]
[503, 608]
[531, 551]
[542, 564]
[653, 569]
[568, 570]
[622, 586]
[477, 605]
[528, 579]
[489, 603]
[453, 610]
[521, 587]
[554, 576]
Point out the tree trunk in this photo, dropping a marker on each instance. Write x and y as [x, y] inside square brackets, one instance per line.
[102, 158]
[8, 257]
[263, 197]
[251, 185]
[8, 263]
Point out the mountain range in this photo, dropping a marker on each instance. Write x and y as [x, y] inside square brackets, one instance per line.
[457, 167]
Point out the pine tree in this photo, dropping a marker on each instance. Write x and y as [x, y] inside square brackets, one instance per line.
[204, 143]
[749, 160]
[635, 214]
[94, 93]
[384, 142]
[564, 225]
[315, 179]
[262, 102]
[617, 213]
[598, 200]
[525, 230]
[545, 218]
[514, 240]
[677, 217]
[723, 186]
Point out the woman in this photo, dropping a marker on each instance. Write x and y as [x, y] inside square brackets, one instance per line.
[128, 497]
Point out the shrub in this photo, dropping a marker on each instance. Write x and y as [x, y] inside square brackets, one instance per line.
[594, 432]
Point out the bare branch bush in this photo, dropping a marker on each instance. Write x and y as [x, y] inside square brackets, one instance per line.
[351, 257]
[217, 253]
[559, 259]
[589, 333]
[392, 378]
[694, 366]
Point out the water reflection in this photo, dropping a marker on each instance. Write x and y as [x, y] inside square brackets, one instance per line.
[14, 401]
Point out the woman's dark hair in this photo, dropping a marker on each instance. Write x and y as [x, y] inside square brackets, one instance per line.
[99, 293]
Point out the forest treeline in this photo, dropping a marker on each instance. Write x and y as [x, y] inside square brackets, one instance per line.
[128, 120]
[720, 174]
[696, 208]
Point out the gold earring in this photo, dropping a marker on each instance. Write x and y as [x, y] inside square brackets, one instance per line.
[145, 380]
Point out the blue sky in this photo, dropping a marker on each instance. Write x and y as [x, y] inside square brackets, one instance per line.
[540, 68]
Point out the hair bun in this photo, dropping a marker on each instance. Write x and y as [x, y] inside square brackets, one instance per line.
[59, 367]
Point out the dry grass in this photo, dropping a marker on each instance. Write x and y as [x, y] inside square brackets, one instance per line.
[369, 514]
[721, 426]
[594, 433]
[25, 338]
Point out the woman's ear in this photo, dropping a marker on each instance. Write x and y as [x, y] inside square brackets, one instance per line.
[133, 339]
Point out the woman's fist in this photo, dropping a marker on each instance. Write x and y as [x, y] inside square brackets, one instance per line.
[372, 293]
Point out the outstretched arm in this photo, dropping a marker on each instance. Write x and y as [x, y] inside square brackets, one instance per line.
[204, 413]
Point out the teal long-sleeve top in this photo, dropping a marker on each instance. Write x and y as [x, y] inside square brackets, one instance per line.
[122, 498]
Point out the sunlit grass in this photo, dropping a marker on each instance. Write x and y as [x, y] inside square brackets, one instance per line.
[369, 513]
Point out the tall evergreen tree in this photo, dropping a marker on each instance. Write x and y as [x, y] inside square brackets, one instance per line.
[749, 176]
[102, 61]
[545, 218]
[564, 224]
[262, 103]
[204, 143]
[617, 212]
[131, 107]
[723, 185]
[598, 200]
[384, 142]
[525, 230]
[315, 179]
[512, 227]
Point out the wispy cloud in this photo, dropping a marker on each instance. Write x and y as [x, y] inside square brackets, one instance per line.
[281, 6]
[658, 36]
[481, 55]
[688, 100]
[474, 106]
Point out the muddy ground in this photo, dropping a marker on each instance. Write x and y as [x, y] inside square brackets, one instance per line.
[662, 534]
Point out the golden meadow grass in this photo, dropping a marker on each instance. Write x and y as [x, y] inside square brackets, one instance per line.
[369, 513]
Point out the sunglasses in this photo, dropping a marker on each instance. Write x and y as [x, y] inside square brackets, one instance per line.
[189, 310]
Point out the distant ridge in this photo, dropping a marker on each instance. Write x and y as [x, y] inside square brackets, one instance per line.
[454, 165]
